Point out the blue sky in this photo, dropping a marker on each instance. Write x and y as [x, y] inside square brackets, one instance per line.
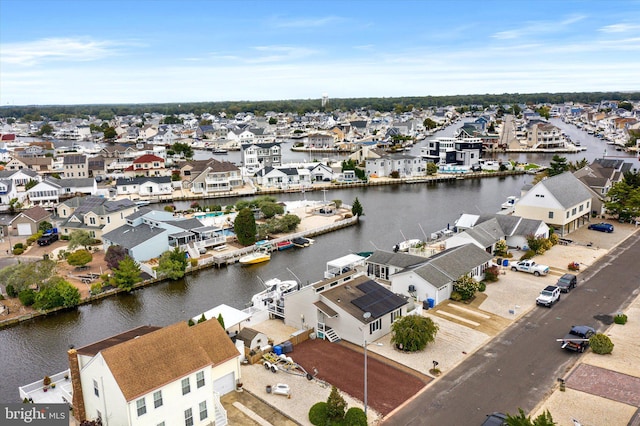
[110, 51]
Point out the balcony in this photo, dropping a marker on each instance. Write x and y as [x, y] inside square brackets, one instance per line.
[61, 392]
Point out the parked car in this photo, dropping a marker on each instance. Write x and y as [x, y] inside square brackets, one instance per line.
[548, 296]
[602, 227]
[48, 238]
[578, 338]
[567, 282]
[495, 419]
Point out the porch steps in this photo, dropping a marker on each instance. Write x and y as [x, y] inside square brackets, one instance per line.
[332, 336]
[220, 412]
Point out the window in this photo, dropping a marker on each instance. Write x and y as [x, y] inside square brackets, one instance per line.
[142, 406]
[203, 410]
[186, 386]
[550, 215]
[95, 389]
[200, 379]
[395, 315]
[376, 325]
[157, 399]
[188, 417]
[573, 211]
[581, 207]
[92, 220]
[567, 214]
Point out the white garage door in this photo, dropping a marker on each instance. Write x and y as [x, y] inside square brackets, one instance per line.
[24, 229]
[225, 384]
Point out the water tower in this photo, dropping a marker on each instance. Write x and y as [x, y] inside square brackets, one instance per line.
[325, 99]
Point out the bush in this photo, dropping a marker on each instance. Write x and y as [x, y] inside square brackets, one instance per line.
[11, 290]
[18, 245]
[554, 238]
[482, 286]
[491, 275]
[620, 319]
[318, 414]
[466, 286]
[194, 262]
[17, 251]
[64, 237]
[169, 209]
[27, 297]
[528, 255]
[573, 266]
[96, 288]
[355, 417]
[601, 344]
[456, 296]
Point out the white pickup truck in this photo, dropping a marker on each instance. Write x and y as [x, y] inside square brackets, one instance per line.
[531, 267]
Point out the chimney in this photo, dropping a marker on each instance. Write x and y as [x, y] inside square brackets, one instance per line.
[78, 398]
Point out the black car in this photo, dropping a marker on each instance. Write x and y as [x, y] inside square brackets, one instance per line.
[567, 282]
[602, 227]
[47, 239]
[578, 338]
[495, 419]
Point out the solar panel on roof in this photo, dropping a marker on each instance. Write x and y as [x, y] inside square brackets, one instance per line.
[377, 300]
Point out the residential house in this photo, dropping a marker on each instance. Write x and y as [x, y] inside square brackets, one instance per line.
[463, 152]
[27, 222]
[283, 177]
[562, 202]
[147, 165]
[153, 376]
[8, 192]
[544, 135]
[319, 141]
[95, 215]
[511, 228]
[19, 178]
[75, 166]
[210, 176]
[40, 165]
[145, 186]
[599, 177]
[257, 156]
[97, 166]
[434, 278]
[320, 173]
[403, 164]
[349, 306]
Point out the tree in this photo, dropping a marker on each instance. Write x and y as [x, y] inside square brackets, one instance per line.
[466, 286]
[432, 169]
[57, 292]
[127, 274]
[221, 321]
[271, 209]
[623, 201]
[521, 419]
[45, 226]
[79, 258]
[558, 165]
[202, 319]
[578, 164]
[413, 332]
[110, 133]
[273, 120]
[21, 276]
[245, 227]
[183, 148]
[114, 255]
[501, 248]
[336, 405]
[14, 205]
[429, 124]
[45, 129]
[30, 184]
[626, 105]
[172, 264]
[79, 238]
[357, 209]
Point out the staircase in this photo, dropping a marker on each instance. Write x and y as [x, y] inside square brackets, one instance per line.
[220, 412]
[331, 335]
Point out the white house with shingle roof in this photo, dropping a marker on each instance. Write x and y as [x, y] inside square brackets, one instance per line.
[151, 376]
[562, 202]
[433, 279]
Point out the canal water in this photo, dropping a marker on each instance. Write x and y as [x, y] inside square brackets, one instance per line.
[38, 347]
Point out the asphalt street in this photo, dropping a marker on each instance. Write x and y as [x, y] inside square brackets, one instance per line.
[519, 367]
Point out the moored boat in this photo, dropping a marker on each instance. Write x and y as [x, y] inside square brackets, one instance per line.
[406, 245]
[258, 256]
[284, 245]
[300, 242]
[511, 201]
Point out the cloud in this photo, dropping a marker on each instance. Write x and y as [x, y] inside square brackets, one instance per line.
[538, 27]
[306, 22]
[619, 28]
[279, 53]
[57, 49]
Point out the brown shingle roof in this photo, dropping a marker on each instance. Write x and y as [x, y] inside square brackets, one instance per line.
[148, 362]
[36, 213]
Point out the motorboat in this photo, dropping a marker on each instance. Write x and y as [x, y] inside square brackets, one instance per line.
[406, 245]
[284, 245]
[258, 256]
[510, 203]
[301, 242]
[271, 297]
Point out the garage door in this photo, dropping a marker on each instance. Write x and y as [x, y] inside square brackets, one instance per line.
[225, 384]
[24, 229]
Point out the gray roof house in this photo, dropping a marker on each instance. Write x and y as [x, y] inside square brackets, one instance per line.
[434, 278]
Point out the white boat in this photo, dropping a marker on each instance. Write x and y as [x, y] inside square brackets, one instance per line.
[272, 297]
[406, 245]
[258, 256]
[510, 203]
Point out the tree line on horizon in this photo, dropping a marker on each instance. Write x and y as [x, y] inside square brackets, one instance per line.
[303, 106]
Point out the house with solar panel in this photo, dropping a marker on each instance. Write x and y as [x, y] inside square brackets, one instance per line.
[349, 306]
[95, 215]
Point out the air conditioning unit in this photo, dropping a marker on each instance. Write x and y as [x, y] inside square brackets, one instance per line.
[412, 288]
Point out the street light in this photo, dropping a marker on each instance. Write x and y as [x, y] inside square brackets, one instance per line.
[366, 316]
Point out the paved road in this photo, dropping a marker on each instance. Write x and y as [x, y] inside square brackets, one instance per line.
[519, 367]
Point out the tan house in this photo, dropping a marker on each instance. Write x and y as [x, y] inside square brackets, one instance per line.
[75, 166]
[563, 202]
[95, 215]
[28, 221]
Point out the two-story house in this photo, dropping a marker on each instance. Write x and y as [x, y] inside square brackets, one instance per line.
[147, 165]
[562, 202]
[145, 186]
[8, 192]
[404, 165]
[95, 215]
[257, 156]
[75, 166]
[210, 176]
[154, 376]
[283, 177]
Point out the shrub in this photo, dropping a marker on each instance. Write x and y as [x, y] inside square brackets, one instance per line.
[194, 262]
[336, 405]
[554, 238]
[456, 296]
[27, 297]
[491, 274]
[11, 290]
[318, 414]
[573, 266]
[96, 288]
[18, 245]
[482, 286]
[528, 255]
[169, 209]
[18, 250]
[466, 286]
[620, 319]
[46, 381]
[355, 417]
[64, 237]
[601, 344]
[190, 322]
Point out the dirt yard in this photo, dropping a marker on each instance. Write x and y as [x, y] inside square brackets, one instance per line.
[388, 386]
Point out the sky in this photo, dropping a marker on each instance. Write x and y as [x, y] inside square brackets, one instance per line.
[155, 51]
